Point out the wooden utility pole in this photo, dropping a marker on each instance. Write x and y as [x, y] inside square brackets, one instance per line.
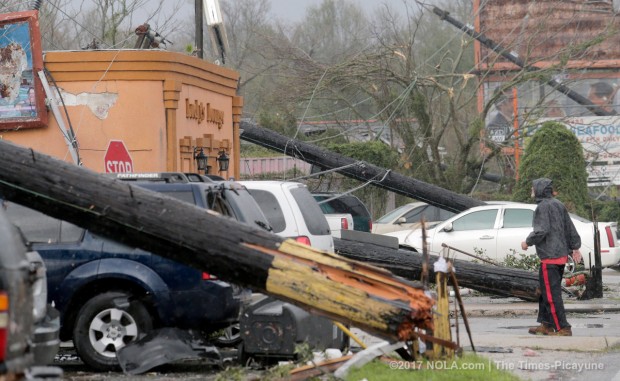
[335, 287]
[503, 281]
[199, 26]
[359, 170]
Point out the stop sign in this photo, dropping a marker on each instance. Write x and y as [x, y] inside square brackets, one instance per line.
[117, 158]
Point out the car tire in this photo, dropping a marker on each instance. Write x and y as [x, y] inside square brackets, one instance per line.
[105, 324]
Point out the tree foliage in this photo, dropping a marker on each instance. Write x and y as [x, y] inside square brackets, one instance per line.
[555, 153]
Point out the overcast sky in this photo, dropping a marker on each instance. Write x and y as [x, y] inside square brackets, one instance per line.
[294, 10]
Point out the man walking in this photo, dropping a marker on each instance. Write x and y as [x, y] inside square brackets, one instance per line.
[554, 236]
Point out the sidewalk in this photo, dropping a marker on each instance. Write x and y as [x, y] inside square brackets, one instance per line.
[499, 328]
[583, 339]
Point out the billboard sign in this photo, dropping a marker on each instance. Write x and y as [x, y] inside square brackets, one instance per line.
[22, 100]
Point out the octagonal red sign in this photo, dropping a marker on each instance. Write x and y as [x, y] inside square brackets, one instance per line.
[117, 158]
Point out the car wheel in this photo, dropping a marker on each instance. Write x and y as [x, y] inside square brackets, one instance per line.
[105, 324]
[229, 336]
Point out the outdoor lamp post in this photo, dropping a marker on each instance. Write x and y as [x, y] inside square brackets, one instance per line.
[223, 160]
[201, 159]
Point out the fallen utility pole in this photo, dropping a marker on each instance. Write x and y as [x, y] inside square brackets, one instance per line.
[512, 57]
[503, 281]
[359, 170]
[335, 287]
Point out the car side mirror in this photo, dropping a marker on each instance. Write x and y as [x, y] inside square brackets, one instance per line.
[448, 227]
[401, 220]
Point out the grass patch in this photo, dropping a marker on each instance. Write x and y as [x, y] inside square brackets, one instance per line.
[470, 367]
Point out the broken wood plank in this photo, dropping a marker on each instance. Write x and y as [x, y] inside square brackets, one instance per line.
[503, 281]
[343, 290]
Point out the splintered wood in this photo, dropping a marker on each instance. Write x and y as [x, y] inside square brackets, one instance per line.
[364, 295]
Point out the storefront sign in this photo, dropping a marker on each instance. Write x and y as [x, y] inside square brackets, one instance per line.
[203, 113]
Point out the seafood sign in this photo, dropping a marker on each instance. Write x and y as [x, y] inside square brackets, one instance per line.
[600, 139]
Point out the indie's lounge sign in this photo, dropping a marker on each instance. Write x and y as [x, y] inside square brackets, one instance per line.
[201, 112]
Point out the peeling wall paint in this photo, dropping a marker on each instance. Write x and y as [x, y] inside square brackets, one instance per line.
[98, 103]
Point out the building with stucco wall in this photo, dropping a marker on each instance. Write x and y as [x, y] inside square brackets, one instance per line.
[161, 106]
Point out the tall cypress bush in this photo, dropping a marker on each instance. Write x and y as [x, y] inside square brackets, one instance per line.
[555, 152]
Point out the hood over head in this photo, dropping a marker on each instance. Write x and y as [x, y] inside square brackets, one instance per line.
[543, 188]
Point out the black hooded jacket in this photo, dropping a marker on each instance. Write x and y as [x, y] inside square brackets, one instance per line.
[554, 233]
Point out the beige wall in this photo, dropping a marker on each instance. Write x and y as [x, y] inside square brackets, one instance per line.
[138, 97]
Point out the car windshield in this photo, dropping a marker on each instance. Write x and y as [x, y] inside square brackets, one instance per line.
[271, 209]
[386, 219]
[183, 195]
[244, 207]
[342, 204]
[316, 222]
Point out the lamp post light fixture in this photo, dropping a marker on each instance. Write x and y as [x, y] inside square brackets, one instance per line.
[201, 159]
[223, 160]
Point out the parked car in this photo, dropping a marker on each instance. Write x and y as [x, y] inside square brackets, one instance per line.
[346, 203]
[409, 216]
[292, 212]
[109, 294]
[29, 327]
[498, 229]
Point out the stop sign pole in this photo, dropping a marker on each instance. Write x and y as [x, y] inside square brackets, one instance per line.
[117, 158]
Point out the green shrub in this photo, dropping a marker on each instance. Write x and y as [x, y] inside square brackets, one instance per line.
[555, 152]
[523, 261]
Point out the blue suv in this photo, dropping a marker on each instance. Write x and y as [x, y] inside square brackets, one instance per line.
[109, 294]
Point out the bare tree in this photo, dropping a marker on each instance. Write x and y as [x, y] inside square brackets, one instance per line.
[416, 74]
[78, 24]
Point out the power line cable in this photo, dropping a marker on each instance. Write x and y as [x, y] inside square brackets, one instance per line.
[72, 18]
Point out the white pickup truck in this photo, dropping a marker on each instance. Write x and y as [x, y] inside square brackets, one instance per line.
[339, 222]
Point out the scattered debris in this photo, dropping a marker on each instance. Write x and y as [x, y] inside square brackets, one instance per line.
[163, 346]
[367, 355]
